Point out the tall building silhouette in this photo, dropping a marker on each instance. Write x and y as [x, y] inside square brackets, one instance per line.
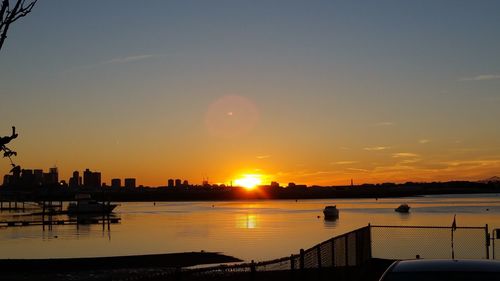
[130, 183]
[29, 178]
[178, 183]
[91, 179]
[75, 181]
[52, 177]
[116, 183]
[38, 175]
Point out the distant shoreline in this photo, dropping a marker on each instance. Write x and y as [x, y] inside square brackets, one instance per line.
[198, 193]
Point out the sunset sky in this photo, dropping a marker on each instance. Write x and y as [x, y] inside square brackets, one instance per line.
[314, 92]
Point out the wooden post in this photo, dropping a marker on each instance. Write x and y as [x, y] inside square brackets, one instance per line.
[103, 222]
[292, 263]
[43, 215]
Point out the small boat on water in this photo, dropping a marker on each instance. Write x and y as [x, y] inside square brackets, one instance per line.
[403, 208]
[85, 205]
[331, 212]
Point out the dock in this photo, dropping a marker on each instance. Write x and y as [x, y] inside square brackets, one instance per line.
[18, 223]
[11, 205]
[16, 205]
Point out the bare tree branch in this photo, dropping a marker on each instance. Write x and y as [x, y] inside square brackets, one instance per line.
[9, 15]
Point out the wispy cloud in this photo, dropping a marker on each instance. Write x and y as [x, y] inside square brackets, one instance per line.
[472, 162]
[376, 148]
[263, 156]
[387, 123]
[344, 162]
[128, 59]
[410, 161]
[404, 155]
[423, 141]
[113, 61]
[482, 77]
[358, 170]
[315, 173]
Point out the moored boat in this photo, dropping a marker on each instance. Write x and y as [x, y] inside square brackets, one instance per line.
[403, 208]
[331, 212]
[85, 205]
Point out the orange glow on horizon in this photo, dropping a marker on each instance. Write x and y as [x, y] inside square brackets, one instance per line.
[249, 181]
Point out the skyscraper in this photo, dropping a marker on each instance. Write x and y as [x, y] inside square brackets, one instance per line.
[130, 183]
[91, 179]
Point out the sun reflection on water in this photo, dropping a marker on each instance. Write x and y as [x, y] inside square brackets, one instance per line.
[248, 221]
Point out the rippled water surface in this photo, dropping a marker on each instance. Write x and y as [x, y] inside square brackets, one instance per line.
[248, 230]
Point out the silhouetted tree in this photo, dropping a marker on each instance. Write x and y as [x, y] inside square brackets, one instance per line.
[7, 152]
[10, 12]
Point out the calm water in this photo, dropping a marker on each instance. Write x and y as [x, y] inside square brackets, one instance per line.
[248, 230]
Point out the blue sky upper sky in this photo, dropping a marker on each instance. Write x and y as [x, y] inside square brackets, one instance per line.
[307, 91]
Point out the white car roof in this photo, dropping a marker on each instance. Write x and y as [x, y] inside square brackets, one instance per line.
[429, 265]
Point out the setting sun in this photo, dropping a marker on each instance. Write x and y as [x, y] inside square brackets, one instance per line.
[249, 181]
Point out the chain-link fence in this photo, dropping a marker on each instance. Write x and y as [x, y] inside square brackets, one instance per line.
[373, 241]
[409, 242]
[386, 242]
[350, 249]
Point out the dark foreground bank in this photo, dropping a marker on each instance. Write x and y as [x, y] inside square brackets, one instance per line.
[370, 271]
[105, 268]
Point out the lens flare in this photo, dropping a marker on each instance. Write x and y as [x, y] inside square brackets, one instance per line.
[231, 116]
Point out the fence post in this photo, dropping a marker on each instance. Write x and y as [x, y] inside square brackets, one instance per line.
[292, 263]
[370, 241]
[487, 235]
[493, 243]
[301, 262]
[318, 251]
